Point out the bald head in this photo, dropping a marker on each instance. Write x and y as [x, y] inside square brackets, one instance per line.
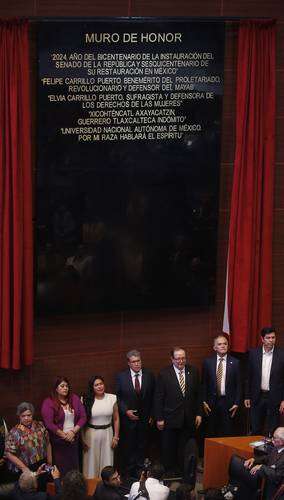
[279, 434]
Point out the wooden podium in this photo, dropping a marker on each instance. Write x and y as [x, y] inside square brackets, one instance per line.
[217, 455]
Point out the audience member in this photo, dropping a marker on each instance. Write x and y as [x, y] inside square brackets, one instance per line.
[27, 444]
[178, 413]
[27, 486]
[270, 467]
[64, 416]
[135, 390]
[184, 492]
[74, 486]
[108, 489]
[98, 438]
[221, 389]
[150, 485]
[264, 393]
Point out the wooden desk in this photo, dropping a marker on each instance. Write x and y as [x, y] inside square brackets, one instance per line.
[217, 455]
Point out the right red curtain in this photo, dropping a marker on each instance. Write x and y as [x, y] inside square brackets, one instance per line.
[248, 304]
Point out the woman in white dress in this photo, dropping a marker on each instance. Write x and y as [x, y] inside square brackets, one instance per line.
[101, 434]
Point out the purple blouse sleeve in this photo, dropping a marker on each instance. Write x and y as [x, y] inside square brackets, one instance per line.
[79, 409]
[47, 412]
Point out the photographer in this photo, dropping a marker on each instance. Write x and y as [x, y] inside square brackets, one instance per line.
[27, 486]
[150, 485]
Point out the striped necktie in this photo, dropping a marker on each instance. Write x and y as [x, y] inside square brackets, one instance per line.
[219, 376]
[182, 382]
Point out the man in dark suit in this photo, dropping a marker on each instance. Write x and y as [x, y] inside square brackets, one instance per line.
[264, 392]
[178, 411]
[221, 389]
[135, 390]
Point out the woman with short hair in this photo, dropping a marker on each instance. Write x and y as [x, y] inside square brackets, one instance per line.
[27, 444]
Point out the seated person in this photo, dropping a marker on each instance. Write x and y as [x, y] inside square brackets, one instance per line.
[27, 486]
[270, 467]
[74, 486]
[184, 492]
[150, 485]
[108, 489]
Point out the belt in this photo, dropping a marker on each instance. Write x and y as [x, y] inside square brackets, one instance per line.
[106, 426]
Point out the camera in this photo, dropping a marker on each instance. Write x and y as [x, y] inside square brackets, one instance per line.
[48, 468]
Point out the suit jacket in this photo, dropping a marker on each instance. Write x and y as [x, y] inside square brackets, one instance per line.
[170, 404]
[128, 399]
[105, 492]
[232, 381]
[253, 380]
[272, 471]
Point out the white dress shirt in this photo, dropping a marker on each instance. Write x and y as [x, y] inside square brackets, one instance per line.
[223, 381]
[267, 357]
[156, 489]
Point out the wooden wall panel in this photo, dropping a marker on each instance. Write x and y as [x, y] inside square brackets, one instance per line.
[81, 345]
[178, 8]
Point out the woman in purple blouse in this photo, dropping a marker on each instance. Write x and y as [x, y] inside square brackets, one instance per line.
[64, 415]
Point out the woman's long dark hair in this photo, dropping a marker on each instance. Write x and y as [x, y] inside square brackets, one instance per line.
[74, 486]
[54, 395]
[89, 397]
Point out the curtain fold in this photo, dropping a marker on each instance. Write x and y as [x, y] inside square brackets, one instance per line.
[16, 236]
[248, 305]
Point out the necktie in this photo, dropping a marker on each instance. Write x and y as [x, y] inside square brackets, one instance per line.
[137, 384]
[182, 382]
[219, 376]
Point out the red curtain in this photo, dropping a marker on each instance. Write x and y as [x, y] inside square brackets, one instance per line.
[249, 271]
[16, 242]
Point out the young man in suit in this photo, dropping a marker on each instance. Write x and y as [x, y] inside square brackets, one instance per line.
[135, 390]
[178, 412]
[264, 392]
[221, 389]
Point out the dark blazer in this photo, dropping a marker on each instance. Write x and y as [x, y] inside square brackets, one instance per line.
[232, 382]
[127, 397]
[170, 404]
[253, 379]
[106, 492]
[272, 471]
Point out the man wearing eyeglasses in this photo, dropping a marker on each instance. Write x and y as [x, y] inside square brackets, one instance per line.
[178, 413]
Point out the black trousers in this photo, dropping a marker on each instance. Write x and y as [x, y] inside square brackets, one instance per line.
[134, 437]
[264, 415]
[179, 452]
[219, 422]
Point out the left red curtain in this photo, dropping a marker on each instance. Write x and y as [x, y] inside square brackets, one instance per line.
[16, 235]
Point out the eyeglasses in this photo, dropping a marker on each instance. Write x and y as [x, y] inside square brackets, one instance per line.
[180, 359]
